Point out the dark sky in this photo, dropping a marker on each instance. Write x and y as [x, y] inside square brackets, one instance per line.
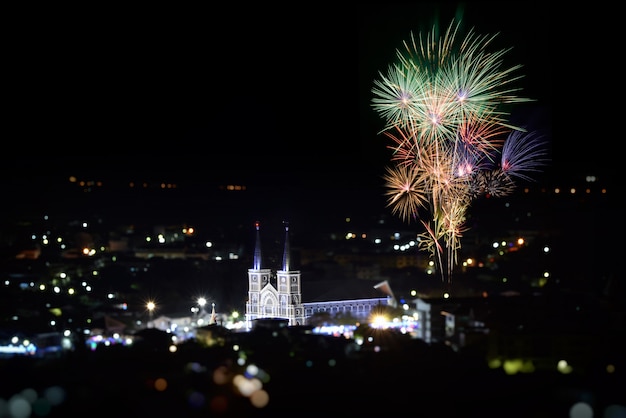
[256, 92]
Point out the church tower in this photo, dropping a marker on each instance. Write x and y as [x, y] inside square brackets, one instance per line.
[266, 299]
[290, 287]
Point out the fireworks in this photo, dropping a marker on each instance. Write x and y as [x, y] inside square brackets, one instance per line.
[445, 105]
[405, 191]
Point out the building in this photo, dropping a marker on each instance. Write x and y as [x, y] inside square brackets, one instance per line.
[279, 295]
[274, 295]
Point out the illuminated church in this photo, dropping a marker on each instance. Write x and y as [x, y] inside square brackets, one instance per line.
[279, 295]
[274, 297]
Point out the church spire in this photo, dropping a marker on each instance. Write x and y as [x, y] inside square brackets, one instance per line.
[286, 253]
[257, 248]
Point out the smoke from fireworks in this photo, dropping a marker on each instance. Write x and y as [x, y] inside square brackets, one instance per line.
[443, 104]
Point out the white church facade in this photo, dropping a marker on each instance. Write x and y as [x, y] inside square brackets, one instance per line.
[270, 296]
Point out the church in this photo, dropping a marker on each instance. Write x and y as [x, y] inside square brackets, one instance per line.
[279, 294]
[270, 296]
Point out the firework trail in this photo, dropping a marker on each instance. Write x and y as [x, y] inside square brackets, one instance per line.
[445, 109]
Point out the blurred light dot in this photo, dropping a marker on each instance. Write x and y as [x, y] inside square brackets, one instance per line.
[19, 407]
[196, 400]
[581, 410]
[196, 367]
[260, 399]
[252, 370]
[160, 384]
[220, 375]
[247, 386]
[29, 394]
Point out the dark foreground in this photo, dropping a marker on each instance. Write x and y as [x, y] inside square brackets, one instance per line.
[269, 374]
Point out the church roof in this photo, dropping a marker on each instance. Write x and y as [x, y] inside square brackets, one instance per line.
[333, 290]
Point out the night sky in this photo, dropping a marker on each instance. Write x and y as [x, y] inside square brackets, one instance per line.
[271, 96]
[279, 100]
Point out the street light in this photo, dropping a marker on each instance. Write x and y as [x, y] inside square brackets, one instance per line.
[201, 303]
[150, 306]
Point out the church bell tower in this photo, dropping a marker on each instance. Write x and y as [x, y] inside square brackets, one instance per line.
[266, 299]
